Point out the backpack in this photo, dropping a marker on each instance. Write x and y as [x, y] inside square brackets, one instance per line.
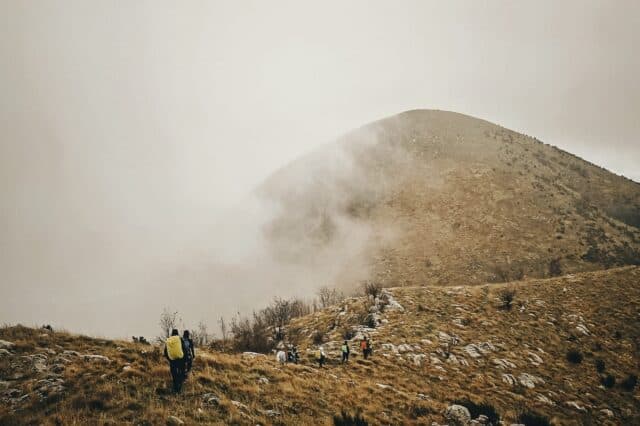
[187, 346]
[174, 348]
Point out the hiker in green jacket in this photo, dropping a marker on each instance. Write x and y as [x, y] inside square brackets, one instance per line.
[345, 352]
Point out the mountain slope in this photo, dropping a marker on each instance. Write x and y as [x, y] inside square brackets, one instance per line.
[434, 197]
[432, 346]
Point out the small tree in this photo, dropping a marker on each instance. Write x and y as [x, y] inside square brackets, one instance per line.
[329, 296]
[168, 321]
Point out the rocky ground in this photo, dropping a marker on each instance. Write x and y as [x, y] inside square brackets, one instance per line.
[566, 351]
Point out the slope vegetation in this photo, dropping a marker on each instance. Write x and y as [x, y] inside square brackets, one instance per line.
[567, 349]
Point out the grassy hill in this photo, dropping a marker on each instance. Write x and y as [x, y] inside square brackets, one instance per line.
[433, 346]
[440, 198]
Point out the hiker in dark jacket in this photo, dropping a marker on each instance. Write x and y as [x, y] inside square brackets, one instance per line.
[190, 355]
[175, 351]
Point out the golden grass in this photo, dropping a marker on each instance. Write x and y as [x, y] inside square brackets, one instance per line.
[605, 302]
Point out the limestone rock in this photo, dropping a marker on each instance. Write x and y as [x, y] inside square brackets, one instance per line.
[173, 420]
[529, 380]
[98, 358]
[457, 415]
[4, 344]
[210, 399]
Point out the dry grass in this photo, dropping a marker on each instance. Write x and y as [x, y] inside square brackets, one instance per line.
[388, 388]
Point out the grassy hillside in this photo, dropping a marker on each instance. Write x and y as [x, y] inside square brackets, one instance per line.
[432, 346]
[435, 197]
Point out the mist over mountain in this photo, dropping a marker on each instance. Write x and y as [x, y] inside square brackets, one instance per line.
[435, 197]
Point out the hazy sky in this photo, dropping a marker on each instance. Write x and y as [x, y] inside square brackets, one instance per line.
[127, 129]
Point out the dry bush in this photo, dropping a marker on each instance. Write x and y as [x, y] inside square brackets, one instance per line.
[372, 289]
[346, 419]
[506, 297]
[532, 418]
[318, 337]
[574, 356]
[629, 383]
[608, 381]
[329, 296]
[555, 269]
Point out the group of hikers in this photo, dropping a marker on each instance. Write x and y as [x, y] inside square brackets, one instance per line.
[365, 347]
[180, 352]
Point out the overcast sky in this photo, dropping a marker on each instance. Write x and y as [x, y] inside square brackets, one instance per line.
[126, 128]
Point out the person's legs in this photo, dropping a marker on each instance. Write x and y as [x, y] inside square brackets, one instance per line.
[175, 375]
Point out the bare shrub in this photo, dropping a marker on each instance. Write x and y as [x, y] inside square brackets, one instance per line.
[555, 269]
[329, 296]
[506, 297]
[574, 356]
[201, 335]
[629, 383]
[265, 328]
[372, 289]
[318, 337]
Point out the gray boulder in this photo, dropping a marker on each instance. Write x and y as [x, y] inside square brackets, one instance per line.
[6, 344]
[173, 420]
[457, 415]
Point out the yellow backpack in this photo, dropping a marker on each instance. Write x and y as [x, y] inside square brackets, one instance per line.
[174, 348]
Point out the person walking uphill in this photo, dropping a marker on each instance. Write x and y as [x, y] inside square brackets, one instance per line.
[321, 356]
[175, 351]
[364, 345]
[190, 354]
[345, 352]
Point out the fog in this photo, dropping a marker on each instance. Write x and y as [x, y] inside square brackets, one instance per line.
[133, 136]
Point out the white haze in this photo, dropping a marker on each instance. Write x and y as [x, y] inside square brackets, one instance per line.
[133, 133]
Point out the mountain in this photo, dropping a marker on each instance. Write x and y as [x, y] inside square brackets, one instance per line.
[433, 197]
[566, 352]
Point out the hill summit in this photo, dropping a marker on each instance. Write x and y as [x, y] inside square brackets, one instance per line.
[435, 197]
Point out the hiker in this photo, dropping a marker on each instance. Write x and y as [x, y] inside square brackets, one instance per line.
[293, 355]
[321, 356]
[281, 357]
[174, 351]
[364, 345]
[190, 353]
[345, 352]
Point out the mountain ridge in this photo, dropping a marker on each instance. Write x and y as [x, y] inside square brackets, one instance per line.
[413, 172]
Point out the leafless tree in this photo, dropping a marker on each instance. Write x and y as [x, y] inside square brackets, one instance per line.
[200, 335]
[168, 321]
[329, 296]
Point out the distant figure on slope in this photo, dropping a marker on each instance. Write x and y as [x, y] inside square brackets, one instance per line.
[365, 345]
[281, 357]
[321, 356]
[174, 351]
[292, 354]
[345, 352]
[190, 354]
